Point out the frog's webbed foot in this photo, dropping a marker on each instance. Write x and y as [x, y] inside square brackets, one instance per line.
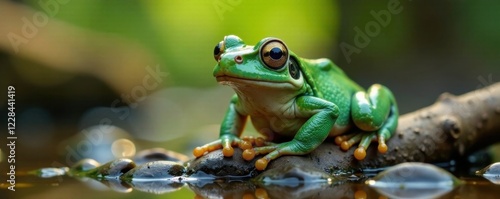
[227, 143]
[364, 139]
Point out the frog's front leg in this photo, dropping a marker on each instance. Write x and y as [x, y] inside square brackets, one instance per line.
[375, 113]
[322, 115]
[230, 131]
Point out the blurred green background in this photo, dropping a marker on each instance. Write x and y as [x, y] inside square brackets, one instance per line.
[145, 67]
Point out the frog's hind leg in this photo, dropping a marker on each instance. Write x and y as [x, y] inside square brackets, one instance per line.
[374, 112]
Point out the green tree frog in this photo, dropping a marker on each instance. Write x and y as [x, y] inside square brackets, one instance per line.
[295, 103]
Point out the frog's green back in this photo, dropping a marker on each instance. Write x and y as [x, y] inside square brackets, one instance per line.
[329, 82]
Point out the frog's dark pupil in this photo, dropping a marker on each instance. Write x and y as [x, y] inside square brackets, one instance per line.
[216, 49]
[276, 53]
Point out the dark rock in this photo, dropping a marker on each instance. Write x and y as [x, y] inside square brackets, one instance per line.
[324, 158]
[111, 169]
[214, 163]
[157, 154]
[155, 170]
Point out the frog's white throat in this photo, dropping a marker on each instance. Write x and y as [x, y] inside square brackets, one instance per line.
[264, 95]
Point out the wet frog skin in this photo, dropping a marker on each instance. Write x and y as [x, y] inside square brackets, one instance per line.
[304, 100]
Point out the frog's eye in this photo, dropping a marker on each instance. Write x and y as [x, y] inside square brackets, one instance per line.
[274, 54]
[293, 68]
[218, 50]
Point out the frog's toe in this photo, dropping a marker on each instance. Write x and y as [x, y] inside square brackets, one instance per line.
[261, 164]
[350, 140]
[342, 138]
[227, 151]
[245, 144]
[366, 139]
[382, 147]
[360, 153]
[382, 136]
[201, 150]
[363, 138]
[249, 154]
[272, 152]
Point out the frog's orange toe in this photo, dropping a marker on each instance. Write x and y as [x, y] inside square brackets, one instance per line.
[213, 147]
[199, 151]
[248, 154]
[339, 140]
[260, 141]
[250, 139]
[228, 151]
[345, 145]
[261, 164]
[382, 148]
[245, 145]
[360, 153]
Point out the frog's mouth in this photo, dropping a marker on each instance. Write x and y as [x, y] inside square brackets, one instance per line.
[238, 81]
[223, 79]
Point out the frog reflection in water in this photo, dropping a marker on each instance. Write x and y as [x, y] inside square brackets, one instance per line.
[306, 100]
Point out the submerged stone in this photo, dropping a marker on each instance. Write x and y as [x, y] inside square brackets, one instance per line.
[414, 180]
[491, 172]
[155, 170]
[85, 165]
[112, 169]
[50, 172]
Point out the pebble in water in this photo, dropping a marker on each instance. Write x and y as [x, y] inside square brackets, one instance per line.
[414, 180]
[113, 169]
[50, 172]
[491, 172]
[155, 170]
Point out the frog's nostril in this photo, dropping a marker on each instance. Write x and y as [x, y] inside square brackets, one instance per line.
[238, 59]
